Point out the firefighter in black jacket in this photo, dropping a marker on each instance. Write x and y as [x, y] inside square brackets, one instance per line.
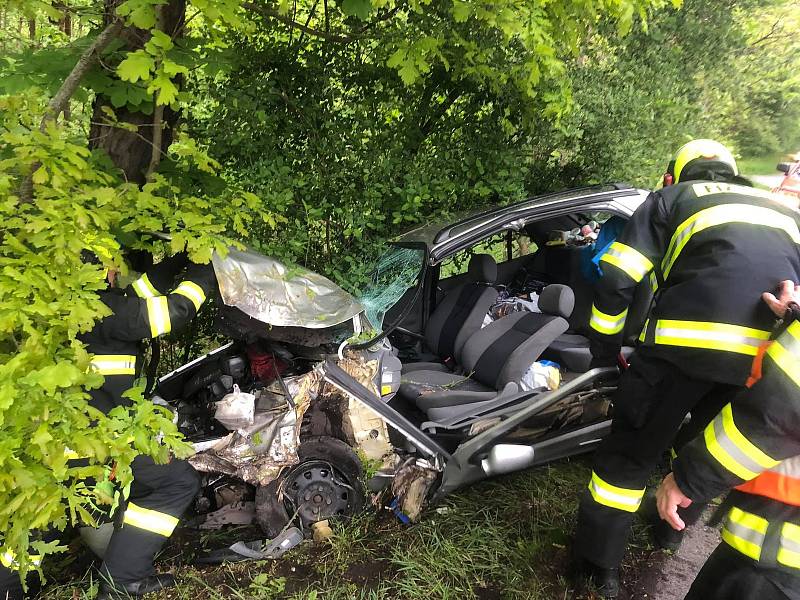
[709, 245]
[753, 444]
[159, 493]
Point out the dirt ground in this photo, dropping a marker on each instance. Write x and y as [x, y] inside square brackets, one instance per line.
[664, 576]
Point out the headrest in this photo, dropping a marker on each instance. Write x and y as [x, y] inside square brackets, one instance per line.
[482, 268]
[557, 300]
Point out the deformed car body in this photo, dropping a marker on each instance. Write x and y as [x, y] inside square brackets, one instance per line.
[373, 395]
[790, 184]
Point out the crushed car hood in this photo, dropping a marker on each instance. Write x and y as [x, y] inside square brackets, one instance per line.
[267, 290]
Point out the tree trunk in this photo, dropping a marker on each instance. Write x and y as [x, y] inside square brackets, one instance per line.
[132, 151]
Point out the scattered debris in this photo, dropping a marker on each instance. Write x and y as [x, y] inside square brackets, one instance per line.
[322, 531]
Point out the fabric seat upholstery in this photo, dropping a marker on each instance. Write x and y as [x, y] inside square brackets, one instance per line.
[459, 315]
[494, 356]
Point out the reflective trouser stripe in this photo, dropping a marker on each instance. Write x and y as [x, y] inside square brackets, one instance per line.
[150, 520]
[785, 352]
[145, 289]
[732, 449]
[9, 560]
[712, 336]
[607, 324]
[789, 551]
[114, 364]
[759, 216]
[613, 496]
[745, 532]
[193, 292]
[630, 260]
[158, 315]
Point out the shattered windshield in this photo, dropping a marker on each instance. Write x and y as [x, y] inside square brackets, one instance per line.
[395, 273]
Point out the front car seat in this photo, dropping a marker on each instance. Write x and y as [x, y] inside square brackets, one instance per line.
[495, 357]
[459, 315]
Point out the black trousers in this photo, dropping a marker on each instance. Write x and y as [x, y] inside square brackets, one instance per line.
[653, 398]
[159, 496]
[729, 575]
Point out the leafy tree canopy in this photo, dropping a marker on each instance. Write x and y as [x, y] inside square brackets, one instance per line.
[97, 104]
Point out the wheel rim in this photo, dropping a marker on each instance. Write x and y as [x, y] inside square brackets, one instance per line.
[316, 491]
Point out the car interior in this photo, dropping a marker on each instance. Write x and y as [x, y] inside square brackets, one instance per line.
[516, 297]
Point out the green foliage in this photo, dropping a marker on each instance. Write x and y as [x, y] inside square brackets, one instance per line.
[313, 132]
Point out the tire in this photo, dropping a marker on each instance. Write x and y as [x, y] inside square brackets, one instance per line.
[315, 454]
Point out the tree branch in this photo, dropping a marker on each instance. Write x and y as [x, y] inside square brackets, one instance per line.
[60, 101]
[273, 14]
[87, 60]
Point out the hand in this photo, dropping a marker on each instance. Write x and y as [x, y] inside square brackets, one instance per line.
[787, 292]
[668, 498]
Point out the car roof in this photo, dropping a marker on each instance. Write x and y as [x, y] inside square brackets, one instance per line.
[434, 234]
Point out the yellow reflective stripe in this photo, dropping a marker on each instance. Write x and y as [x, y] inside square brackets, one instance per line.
[745, 532]
[150, 520]
[653, 281]
[607, 324]
[712, 336]
[9, 560]
[789, 558]
[732, 449]
[114, 364]
[143, 287]
[721, 215]
[644, 330]
[613, 496]
[786, 361]
[789, 551]
[630, 260]
[790, 531]
[158, 315]
[193, 292]
[751, 450]
[711, 188]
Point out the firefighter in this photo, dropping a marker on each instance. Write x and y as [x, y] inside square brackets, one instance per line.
[160, 492]
[753, 444]
[709, 245]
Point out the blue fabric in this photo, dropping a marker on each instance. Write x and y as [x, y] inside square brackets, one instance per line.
[609, 232]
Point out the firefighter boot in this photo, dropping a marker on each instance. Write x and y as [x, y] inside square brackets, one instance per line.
[587, 576]
[134, 589]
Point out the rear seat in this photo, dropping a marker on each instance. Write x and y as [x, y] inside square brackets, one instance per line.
[495, 357]
[459, 315]
[571, 350]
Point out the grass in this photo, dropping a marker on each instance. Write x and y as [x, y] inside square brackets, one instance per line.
[505, 538]
[761, 165]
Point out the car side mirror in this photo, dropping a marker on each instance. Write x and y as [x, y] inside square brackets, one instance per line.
[784, 167]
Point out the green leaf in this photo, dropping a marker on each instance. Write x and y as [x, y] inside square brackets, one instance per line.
[119, 96]
[167, 91]
[357, 8]
[136, 66]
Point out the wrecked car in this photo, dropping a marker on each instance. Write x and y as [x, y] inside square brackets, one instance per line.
[466, 358]
[790, 184]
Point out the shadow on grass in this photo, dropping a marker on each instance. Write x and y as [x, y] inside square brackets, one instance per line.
[504, 538]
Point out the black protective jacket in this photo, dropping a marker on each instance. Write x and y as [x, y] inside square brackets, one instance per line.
[145, 310]
[710, 249]
[754, 444]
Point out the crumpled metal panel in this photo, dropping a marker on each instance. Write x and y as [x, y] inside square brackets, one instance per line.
[273, 293]
[259, 452]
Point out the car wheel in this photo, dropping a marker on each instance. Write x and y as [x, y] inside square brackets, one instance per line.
[326, 484]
